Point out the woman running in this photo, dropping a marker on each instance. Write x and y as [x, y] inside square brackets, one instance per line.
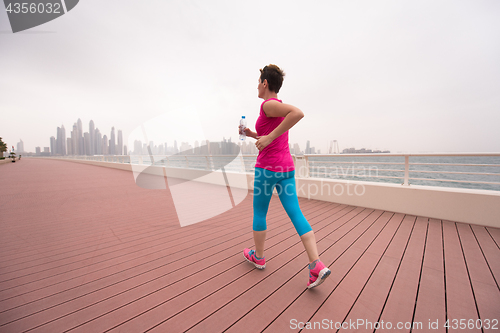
[275, 168]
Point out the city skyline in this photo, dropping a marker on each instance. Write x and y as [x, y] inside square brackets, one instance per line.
[93, 143]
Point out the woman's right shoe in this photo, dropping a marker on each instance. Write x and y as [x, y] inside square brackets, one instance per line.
[252, 258]
[317, 275]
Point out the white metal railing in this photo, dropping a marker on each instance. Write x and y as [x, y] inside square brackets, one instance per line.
[405, 170]
[319, 165]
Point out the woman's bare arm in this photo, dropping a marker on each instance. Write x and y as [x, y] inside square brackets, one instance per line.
[291, 113]
[292, 116]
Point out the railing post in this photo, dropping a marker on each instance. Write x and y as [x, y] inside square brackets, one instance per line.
[242, 164]
[407, 170]
[307, 166]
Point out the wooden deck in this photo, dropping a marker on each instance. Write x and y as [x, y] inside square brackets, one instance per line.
[84, 249]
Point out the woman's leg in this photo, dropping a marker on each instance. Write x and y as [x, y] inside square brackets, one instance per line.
[309, 242]
[264, 183]
[259, 238]
[288, 195]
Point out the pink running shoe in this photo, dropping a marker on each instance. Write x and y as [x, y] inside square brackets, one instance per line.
[317, 275]
[252, 258]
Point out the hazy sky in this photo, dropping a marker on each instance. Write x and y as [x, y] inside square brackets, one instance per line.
[410, 76]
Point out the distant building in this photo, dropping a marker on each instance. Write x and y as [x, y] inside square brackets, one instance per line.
[69, 146]
[20, 147]
[98, 142]
[112, 146]
[137, 147]
[60, 148]
[74, 140]
[119, 150]
[92, 138]
[52, 146]
[37, 150]
[87, 143]
[105, 149]
[296, 149]
[79, 137]
[185, 148]
[362, 151]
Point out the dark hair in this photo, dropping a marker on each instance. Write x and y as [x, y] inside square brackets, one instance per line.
[274, 76]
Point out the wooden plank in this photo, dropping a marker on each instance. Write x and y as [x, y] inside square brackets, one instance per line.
[495, 235]
[459, 297]
[371, 300]
[486, 292]
[430, 309]
[490, 250]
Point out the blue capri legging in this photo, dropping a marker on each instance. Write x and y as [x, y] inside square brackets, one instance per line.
[264, 183]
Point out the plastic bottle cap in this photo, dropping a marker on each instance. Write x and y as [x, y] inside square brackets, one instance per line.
[243, 117]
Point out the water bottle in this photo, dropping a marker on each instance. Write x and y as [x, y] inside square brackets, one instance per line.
[243, 125]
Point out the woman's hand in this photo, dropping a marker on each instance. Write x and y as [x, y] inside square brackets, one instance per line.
[248, 132]
[263, 142]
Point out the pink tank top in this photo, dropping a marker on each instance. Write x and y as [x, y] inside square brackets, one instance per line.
[275, 157]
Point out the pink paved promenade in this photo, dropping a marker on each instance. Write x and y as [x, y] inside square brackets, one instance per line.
[84, 249]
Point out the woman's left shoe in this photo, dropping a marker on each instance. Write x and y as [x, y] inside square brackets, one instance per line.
[317, 275]
[252, 258]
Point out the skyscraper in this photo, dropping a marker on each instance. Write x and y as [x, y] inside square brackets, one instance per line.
[120, 143]
[20, 146]
[105, 148]
[137, 147]
[98, 142]
[69, 146]
[112, 142]
[74, 139]
[61, 141]
[80, 138]
[52, 146]
[92, 137]
[86, 143]
[296, 149]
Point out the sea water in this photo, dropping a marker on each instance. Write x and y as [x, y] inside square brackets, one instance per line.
[386, 169]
